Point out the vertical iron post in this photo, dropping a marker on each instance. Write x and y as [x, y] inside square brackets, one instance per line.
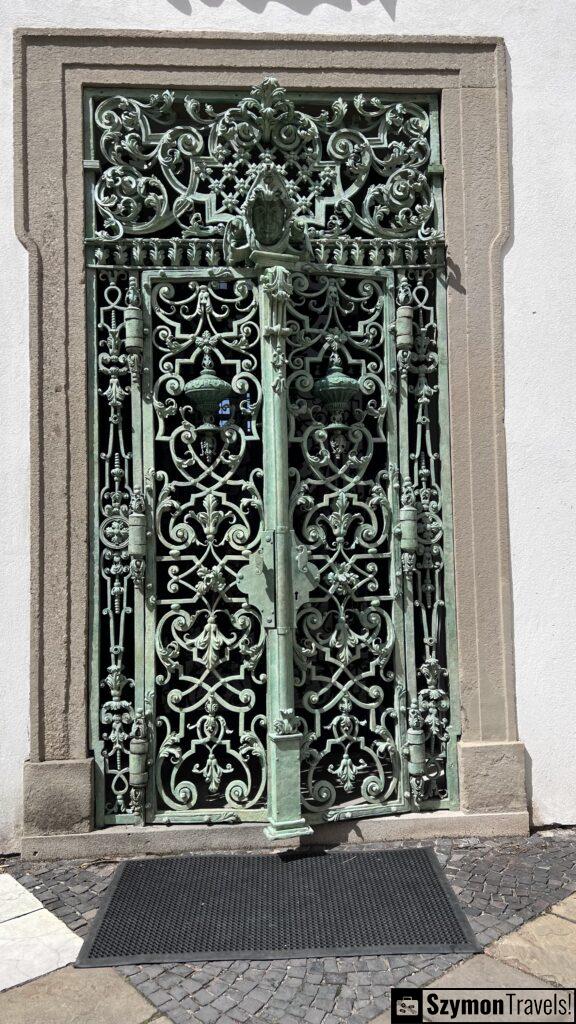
[284, 735]
[134, 342]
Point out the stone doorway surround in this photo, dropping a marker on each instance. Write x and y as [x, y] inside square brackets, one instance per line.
[51, 69]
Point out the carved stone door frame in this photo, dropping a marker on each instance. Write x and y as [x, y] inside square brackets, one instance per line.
[52, 68]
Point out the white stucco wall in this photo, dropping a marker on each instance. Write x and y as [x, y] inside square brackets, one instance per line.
[540, 326]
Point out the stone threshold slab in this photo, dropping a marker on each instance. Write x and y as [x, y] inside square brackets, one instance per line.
[133, 841]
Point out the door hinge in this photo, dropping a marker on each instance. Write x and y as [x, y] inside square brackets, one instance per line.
[403, 329]
[138, 763]
[407, 529]
[137, 537]
[134, 330]
[415, 751]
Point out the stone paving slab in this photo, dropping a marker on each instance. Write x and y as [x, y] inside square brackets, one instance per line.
[479, 972]
[70, 996]
[567, 908]
[15, 900]
[501, 884]
[484, 971]
[545, 947]
[32, 945]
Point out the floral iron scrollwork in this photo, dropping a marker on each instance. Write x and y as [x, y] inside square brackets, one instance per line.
[267, 265]
[263, 169]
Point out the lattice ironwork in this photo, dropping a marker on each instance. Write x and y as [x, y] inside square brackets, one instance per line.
[273, 633]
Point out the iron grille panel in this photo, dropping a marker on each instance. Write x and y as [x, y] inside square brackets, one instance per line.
[313, 226]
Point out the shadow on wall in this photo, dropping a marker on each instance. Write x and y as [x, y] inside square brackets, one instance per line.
[529, 790]
[299, 6]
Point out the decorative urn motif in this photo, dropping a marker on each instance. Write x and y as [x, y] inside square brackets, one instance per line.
[336, 388]
[207, 390]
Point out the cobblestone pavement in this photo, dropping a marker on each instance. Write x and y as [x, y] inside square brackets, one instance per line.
[501, 883]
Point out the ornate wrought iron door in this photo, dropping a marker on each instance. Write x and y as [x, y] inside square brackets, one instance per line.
[273, 634]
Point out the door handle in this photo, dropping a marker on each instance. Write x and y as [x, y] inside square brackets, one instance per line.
[305, 574]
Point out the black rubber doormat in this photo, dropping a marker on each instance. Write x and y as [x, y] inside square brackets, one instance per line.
[277, 906]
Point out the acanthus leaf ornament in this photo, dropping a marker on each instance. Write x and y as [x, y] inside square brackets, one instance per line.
[287, 724]
[277, 283]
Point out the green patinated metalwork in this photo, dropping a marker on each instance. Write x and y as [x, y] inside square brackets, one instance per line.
[272, 623]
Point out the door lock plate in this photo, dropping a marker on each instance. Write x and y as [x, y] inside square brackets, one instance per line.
[256, 580]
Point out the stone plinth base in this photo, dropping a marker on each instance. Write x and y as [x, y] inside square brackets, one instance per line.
[59, 818]
[58, 797]
[492, 776]
[134, 841]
